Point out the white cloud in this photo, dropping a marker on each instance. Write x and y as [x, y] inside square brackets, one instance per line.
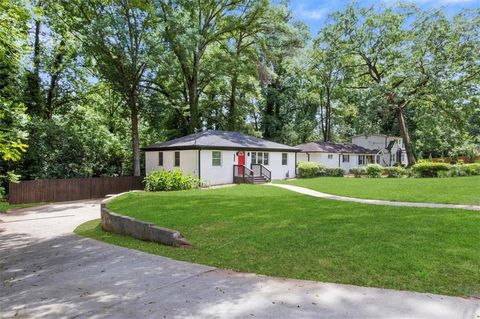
[310, 13]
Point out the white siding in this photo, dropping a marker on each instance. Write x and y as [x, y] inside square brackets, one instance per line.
[373, 142]
[188, 161]
[216, 175]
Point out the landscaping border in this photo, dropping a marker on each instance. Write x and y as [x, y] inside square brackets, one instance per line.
[125, 225]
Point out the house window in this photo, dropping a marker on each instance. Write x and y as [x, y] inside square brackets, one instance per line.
[177, 159]
[402, 157]
[393, 158]
[284, 158]
[160, 158]
[378, 159]
[260, 158]
[330, 156]
[216, 158]
[361, 159]
[346, 158]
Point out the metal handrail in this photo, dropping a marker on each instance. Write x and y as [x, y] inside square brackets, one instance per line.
[263, 171]
[244, 172]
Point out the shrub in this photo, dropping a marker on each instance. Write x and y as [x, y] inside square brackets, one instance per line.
[374, 170]
[471, 169]
[430, 169]
[357, 172]
[332, 172]
[169, 181]
[394, 172]
[309, 169]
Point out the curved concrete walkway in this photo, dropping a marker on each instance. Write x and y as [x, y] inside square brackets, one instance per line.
[310, 192]
[48, 272]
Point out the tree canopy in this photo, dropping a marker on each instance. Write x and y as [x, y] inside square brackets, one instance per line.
[83, 84]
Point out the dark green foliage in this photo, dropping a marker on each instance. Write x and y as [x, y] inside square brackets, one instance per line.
[430, 169]
[66, 150]
[170, 181]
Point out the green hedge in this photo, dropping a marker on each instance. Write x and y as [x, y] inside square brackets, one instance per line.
[357, 172]
[374, 170]
[312, 169]
[309, 169]
[430, 169]
[394, 172]
[333, 172]
[169, 181]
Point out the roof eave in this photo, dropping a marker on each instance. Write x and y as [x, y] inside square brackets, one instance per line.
[213, 147]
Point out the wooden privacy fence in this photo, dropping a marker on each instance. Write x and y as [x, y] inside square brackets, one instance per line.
[59, 190]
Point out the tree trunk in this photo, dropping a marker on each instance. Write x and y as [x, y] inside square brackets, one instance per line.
[405, 136]
[232, 116]
[57, 70]
[135, 142]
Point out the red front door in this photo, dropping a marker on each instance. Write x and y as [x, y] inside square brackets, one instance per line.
[241, 162]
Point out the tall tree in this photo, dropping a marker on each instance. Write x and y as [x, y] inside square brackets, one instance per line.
[404, 55]
[117, 35]
[190, 28]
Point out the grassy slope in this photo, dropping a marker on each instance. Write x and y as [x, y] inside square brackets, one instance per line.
[276, 232]
[457, 190]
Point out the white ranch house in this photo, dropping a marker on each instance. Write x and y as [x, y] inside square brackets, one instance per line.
[364, 149]
[222, 157]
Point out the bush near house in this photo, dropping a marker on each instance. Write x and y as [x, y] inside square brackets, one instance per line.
[170, 181]
[309, 169]
[332, 172]
[357, 172]
[394, 172]
[312, 169]
[430, 169]
[374, 170]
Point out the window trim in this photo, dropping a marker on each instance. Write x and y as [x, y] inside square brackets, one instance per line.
[345, 156]
[260, 157]
[175, 159]
[160, 159]
[215, 158]
[284, 160]
[363, 157]
[330, 156]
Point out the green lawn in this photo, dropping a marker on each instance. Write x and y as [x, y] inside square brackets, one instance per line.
[4, 206]
[456, 190]
[272, 231]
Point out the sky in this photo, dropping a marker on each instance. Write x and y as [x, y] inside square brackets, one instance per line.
[315, 12]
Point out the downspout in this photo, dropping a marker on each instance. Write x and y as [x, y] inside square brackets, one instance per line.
[199, 165]
[295, 164]
[339, 155]
[308, 156]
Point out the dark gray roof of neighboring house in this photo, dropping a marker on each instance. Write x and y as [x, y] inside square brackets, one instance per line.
[222, 140]
[325, 147]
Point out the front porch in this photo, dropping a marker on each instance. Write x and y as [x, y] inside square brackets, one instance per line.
[256, 174]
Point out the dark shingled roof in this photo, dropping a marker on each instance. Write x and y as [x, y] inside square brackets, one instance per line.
[220, 140]
[325, 147]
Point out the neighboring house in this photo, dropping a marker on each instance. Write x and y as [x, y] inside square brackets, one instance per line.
[221, 157]
[364, 149]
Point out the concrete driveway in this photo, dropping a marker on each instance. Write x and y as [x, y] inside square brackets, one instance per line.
[46, 271]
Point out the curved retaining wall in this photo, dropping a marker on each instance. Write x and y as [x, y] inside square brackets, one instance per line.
[125, 225]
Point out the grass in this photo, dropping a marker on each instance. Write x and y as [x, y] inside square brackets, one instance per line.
[5, 207]
[455, 190]
[272, 231]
